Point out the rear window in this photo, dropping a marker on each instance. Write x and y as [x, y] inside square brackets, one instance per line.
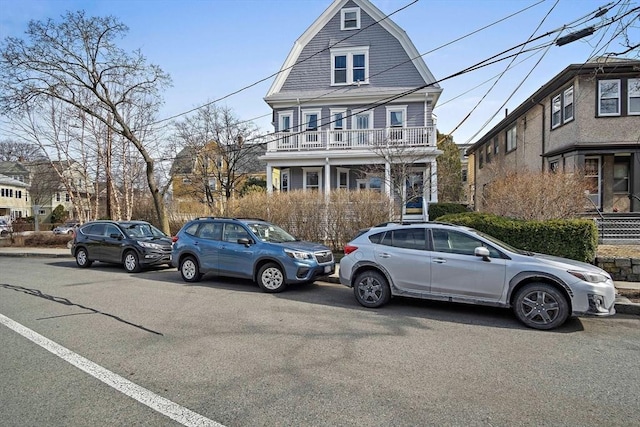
[191, 229]
[376, 238]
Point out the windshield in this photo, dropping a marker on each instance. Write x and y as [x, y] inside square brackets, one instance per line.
[270, 233]
[500, 243]
[143, 230]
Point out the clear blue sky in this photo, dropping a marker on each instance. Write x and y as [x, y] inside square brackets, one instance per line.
[214, 47]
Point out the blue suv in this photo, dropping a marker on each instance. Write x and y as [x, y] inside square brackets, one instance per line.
[248, 248]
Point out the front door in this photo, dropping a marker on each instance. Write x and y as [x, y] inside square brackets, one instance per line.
[414, 193]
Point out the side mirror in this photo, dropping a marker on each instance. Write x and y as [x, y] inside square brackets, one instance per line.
[483, 252]
[245, 241]
[116, 236]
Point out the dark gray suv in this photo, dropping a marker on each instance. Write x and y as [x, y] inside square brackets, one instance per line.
[133, 244]
[248, 248]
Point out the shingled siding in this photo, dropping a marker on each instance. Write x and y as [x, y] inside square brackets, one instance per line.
[624, 269]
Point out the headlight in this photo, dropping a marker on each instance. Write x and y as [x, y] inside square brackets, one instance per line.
[149, 245]
[298, 254]
[589, 276]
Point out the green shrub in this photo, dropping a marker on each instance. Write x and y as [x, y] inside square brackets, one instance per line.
[58, 215]
[437, 210]
[573, 238]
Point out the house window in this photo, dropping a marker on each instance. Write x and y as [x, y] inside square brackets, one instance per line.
[621, 175]
[19, 194]
[562, 108]
[350, 18]
[592, 178]
[66, 197]
[496, 146]
[396, 120]
[553, 166]
[511, 138]
[634, 96]
[488, 155]
[42, 212]
[342, 178]
[464, 175]
[372, 182]
[362, 122]
[284, 180]
[556, 111]
[568, 104]
[57, 197]
[338, 125]
[311, 123]
[609, 98]
[480, 159]
[312, 179]
[184, 181]
[349, 66]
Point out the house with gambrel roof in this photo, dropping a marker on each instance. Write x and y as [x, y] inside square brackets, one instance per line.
[354, 99]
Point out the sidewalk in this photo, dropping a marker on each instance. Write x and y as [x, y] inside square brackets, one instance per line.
[623, 304]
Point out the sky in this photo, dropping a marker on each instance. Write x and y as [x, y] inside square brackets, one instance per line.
[212, 48]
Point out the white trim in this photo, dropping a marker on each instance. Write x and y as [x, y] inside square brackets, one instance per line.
[354, 118]
[346, 10]
[349, 52]
[556, 108]
[600, 82]
[304, 126]
[305, 171]
[283, 114]
[392, 108]
[566, 119]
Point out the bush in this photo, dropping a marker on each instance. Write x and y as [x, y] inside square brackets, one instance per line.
[436, 210]
[58, 215]
[572, 238]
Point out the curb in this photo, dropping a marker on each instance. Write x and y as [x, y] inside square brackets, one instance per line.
[34, 255]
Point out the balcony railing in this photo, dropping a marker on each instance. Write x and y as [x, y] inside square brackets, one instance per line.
[352, 139]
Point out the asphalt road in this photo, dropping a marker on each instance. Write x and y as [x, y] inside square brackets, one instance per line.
[221, 351]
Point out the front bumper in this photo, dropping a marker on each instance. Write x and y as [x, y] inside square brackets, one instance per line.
[595, 300]
[303, 272]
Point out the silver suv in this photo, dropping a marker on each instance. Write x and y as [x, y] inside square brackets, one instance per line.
[459, 264]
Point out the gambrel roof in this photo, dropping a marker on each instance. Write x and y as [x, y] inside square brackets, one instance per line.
[367, 7]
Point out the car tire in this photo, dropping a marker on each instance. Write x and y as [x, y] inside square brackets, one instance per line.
[131, 262]
[82, 258]
[189, 270]
[371, 289]
[271, 278]
[70, 232]
[541, 306]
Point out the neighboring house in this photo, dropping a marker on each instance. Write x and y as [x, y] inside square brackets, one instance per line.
[14, 198]
[61, 183]
[15, 170]
[353, 98]
[587, 119]
[197, 175]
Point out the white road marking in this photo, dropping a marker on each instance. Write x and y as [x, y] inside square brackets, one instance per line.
[158, 403]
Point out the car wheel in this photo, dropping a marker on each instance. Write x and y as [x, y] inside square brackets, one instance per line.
[372, 289]
[131, 262]
[70, 232]
[271, 278]
[189, 270]
[82, 258]
[541, 306]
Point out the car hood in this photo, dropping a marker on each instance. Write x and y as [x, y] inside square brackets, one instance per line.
[300, 245]
[568, 264]
[165, 241]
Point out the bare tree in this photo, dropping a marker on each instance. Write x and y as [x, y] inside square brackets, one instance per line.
[450, 188]
[218, 148]
[18, 151]
[78, 63]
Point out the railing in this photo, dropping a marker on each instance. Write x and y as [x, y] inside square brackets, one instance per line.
[352, 139]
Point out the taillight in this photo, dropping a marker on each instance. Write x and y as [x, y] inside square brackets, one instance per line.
[349, 248]
[174, 239]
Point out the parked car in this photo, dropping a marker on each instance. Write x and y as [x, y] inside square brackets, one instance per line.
[459, 264]
[67, 228]
[134, 244]
[5, 227]
[248, 248]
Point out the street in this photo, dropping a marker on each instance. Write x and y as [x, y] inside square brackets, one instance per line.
[221, 351]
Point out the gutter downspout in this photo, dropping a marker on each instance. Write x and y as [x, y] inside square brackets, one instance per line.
[544, 119]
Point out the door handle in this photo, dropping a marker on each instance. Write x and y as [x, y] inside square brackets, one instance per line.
[440, 260]
[385, 255]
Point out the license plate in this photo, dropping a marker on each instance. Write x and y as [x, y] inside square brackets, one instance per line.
[327, 269]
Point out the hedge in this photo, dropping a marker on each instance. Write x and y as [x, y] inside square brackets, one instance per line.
[574, 238]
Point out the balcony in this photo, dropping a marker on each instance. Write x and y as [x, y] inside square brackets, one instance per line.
[352, 139]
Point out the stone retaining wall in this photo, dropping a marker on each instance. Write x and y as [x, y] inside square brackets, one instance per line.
[624, 269]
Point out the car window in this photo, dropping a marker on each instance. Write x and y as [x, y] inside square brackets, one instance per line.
[112, 229]
[458, 243]
[376, 238]
[233, 232]
[409, 238]
[94, 229]
[138, 230]
[210, 231]
[192, 229]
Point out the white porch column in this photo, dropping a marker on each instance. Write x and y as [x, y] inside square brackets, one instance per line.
[269, 179]
[387, 178]
[327, 179]
[434, 182]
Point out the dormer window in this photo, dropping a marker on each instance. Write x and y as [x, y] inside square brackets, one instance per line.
[350, 66]
[350, 18]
